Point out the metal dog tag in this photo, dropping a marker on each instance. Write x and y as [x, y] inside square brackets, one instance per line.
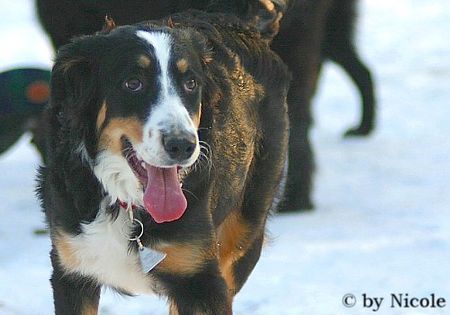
[150, 258]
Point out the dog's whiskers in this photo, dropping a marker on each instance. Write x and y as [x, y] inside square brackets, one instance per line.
[204, 159]
[127, 152]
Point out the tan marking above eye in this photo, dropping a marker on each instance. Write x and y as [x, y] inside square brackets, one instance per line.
[110, 137]
[182, 65]
[144, 61]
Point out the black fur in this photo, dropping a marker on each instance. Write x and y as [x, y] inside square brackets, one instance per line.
[244, 122]
[310, 32]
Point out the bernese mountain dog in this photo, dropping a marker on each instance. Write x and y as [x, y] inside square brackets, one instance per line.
[166, 142]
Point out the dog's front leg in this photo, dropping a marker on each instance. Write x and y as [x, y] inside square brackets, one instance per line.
[203, 293]
[193, 282]
[73, 294]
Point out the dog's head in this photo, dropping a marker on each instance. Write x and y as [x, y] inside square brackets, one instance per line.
[130, 99]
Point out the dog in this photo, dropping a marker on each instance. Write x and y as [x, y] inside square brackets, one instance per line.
[309, 33]
[312, 32]
[166, 143]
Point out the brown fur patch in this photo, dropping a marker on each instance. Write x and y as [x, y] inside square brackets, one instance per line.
[144, 61]
[111, 135]
[196, 117]
[108, 26]
[232, 243]
[170, 22]
[89, 309]
[182, 65]
[65, 250]
[101, 116]
[207, 57]
[184, 259]
[173, 310]
[268, 5]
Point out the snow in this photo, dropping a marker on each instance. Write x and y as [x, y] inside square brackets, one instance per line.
[381, 225]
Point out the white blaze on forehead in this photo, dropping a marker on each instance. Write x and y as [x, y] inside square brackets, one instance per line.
[161, 43]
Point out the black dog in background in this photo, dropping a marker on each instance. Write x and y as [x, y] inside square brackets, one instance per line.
[310, 31]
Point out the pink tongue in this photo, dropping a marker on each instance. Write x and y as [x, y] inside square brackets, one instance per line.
[163, 197]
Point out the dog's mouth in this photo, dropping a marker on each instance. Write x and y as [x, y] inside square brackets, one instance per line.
[163, 198]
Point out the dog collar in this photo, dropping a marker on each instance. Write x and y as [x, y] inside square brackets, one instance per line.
[124, 205]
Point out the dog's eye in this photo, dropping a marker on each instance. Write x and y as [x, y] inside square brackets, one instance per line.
[134, 85]
[190, 85]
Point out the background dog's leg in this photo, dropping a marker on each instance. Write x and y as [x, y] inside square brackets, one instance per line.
[301, 165]
[73, 294]
[338, 46]
[299, 45]
[361, 76]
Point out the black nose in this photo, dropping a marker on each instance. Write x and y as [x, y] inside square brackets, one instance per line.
[179, 147]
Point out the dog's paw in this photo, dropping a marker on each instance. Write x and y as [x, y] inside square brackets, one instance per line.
[361, 131]
[292, 207]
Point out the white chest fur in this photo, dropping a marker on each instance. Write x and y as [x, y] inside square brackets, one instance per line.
[101, 251]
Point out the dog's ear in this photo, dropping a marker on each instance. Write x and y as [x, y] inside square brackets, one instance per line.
[198, 42]
[74, 98]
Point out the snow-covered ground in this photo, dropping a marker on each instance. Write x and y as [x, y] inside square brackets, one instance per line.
[382, 223]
